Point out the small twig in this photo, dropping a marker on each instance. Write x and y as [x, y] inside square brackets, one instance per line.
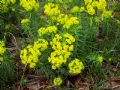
[117, 86]
[15, 40]
[81, 88]
[12, 49]
[110, 51]
[35, 76]
[42, 87]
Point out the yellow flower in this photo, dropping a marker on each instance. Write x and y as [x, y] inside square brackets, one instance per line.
[61, 18]
[69, 38]
[82, 9]
[95, 3]
[75, 9]
[53, 67]
[102, 5]
[71, 47]
[40, 44]
[29, 5]
[75, 67]
[50, 29]
[71, 21]
[62, 51]
[67, 55]
[4, 5]
[32, 65]
[30, 54]
[65, 47]
[2, 43]
[87, 1]
[2, 50]
[42, 31]
[107, 14]
[24, 21]
[51, 9]
[56, 59]
[100, 59]
[90, 9]
[67, 21]
[57, 81]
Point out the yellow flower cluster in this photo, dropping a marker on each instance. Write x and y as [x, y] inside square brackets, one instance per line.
[41, 44]
[50, 29]
[91, 4]
[2, 50]
[101, 4]
[100, 59]
[76, 9]
[51, 9]
[4, 5]
[90, 9]
[67, 21]
[57, 81]
[30, 54]
[107, 14]
[62, 50]
[69, 38]
[75, 67]
[29, 5]
[24, 21]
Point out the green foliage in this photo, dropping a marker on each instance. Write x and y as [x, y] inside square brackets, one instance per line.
[53, 33]
[6, 74]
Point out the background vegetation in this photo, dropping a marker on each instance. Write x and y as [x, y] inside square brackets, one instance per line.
[86, 33]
